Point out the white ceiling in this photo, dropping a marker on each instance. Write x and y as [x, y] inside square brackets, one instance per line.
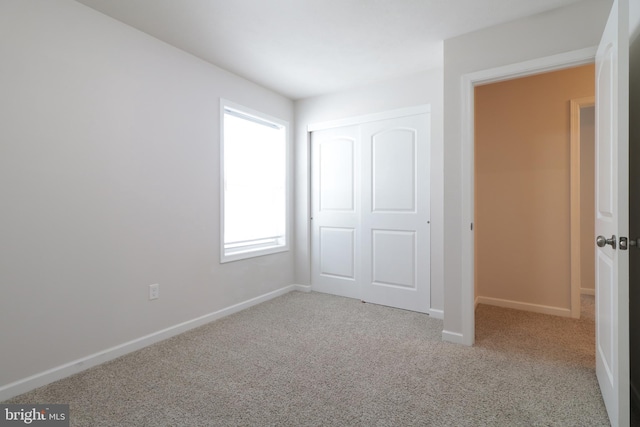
[302, 48]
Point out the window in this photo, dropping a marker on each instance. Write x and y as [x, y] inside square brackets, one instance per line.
[254, 184]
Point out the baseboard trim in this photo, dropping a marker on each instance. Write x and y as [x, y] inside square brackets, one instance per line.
[587, 291]
[43, 378]
[453, 337]
[536, 308]
[302, 288]
[436, 313]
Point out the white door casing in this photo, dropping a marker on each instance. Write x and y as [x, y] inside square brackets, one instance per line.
[612, 214]
[370, 210]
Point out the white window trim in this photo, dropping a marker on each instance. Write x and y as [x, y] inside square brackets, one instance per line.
[276, 245]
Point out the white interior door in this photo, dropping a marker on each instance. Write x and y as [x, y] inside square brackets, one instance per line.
[612, 218]
[335, 263]
[395, 213]
[370, 211]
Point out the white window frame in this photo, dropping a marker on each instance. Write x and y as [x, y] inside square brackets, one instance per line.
[268, 245]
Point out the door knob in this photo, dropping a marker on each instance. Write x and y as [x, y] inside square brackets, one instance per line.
[601, 241]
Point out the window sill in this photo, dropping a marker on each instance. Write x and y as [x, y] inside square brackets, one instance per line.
[240, 254]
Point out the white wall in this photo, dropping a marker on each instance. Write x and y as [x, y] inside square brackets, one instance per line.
[109, 178]
[571, 28]
[418, 89]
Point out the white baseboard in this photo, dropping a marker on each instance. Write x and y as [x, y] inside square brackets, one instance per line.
[453, 337]
[43, 378]
[544, 309]
[436, 313]
[302, 288]
[587, 291]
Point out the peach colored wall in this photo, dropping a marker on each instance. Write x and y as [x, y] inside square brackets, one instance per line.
[587, 198]
[522, 218]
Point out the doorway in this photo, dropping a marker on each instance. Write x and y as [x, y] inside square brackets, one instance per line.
[582, 201]
[524, 245]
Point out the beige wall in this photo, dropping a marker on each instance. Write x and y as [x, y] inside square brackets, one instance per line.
[587, 199]
[522, 186]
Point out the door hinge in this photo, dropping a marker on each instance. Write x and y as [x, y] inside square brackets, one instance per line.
[471, 226]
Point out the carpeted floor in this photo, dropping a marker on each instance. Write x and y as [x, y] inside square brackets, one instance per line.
[321, 360]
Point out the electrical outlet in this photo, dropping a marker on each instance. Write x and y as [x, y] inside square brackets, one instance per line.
[154, 291]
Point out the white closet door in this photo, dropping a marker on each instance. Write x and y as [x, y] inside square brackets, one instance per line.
[370, 210]
[395, 213]
[335, 266]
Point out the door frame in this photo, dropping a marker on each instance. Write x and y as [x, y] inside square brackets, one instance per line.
[469, 81]
[576, 196]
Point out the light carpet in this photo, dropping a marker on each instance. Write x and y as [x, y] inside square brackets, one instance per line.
[321, 360]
